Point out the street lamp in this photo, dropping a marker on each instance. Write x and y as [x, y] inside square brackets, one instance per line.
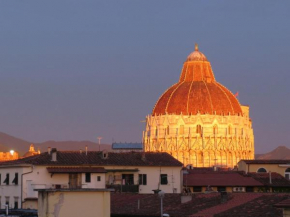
[161, 195]
[12, 152]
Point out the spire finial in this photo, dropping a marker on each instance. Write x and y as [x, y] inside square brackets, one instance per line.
[196, 47]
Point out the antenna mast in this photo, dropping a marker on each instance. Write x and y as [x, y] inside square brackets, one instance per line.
[99, 138]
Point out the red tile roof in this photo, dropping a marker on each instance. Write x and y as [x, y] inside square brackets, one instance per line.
[219, 178]
[267, 161]
[276, 179]
[263, 206]
[75, 158]
[283, 204]
[202, 205]
[76, 170]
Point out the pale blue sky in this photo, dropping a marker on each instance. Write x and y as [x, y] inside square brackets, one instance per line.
[75, 70]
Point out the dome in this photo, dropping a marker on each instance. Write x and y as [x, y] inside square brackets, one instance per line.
[196, 55]
[197, 91]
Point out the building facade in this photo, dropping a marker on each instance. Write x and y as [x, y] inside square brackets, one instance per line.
[265, 166]
[136, 172]
[199, 121]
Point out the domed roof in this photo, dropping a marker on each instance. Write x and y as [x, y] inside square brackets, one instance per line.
[197, 92]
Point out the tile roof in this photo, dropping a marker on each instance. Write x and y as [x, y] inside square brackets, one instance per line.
[267, 161]
[276, 179]
[283, 204]
[75, 158]
[76, 170]
[202, 205]
[219, 178]
[263, 206]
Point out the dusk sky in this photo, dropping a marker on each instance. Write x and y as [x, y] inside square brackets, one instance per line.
[76, 70]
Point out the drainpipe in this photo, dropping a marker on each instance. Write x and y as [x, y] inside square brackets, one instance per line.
[22, 184]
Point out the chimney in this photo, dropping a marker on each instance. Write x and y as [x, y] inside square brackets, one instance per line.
[81, 151]
[53, 154]
[104, 154]
[270, 177]
[49, 150]
[86, 150]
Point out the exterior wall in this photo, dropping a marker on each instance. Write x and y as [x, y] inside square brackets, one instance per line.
[286, 212]
[40, 178]
[269, 167]
[94, 181]
[178, 135]
[30, 204]
[74, 203]
[153, 174]
[11, 191]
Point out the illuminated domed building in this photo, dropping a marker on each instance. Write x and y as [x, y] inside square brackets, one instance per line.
[199, 121]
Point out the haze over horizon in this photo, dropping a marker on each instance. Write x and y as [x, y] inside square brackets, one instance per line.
[74, 70]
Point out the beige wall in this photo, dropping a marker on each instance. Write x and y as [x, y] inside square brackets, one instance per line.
[74, 203]
[278, 168]
[153, 174]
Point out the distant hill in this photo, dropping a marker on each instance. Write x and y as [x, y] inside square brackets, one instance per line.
[281, 152]
[8, 142]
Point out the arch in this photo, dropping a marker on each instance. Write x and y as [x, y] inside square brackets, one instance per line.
[261, 170]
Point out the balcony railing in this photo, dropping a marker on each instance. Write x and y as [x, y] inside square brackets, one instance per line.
[124, 188]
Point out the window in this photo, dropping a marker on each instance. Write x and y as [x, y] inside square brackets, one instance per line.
[287, 173]
[15, 202]
[215, 129]
[262, 170]
[142, 179]
[7, 201]
[220, 189]
[249, 189]
[6, 181]
[99, 178]
[167, 130]
[88, 177]
[197, 189]
[163, 179]
[128, 179]
[198, 129]
[15, 180]
[230, 130]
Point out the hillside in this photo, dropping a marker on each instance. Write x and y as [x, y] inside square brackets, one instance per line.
[281, 152]
[8, 142]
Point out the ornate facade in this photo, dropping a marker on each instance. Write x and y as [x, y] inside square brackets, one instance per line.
[199, 121]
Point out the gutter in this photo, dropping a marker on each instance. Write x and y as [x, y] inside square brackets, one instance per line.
[22, 184]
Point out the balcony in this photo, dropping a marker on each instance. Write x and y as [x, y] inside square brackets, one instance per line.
[124, 188]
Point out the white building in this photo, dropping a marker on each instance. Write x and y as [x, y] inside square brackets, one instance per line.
[125, 172]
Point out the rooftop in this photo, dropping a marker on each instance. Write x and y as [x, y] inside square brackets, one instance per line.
[277, 161]
[98, 158]
[219, 178]
[202, 205]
